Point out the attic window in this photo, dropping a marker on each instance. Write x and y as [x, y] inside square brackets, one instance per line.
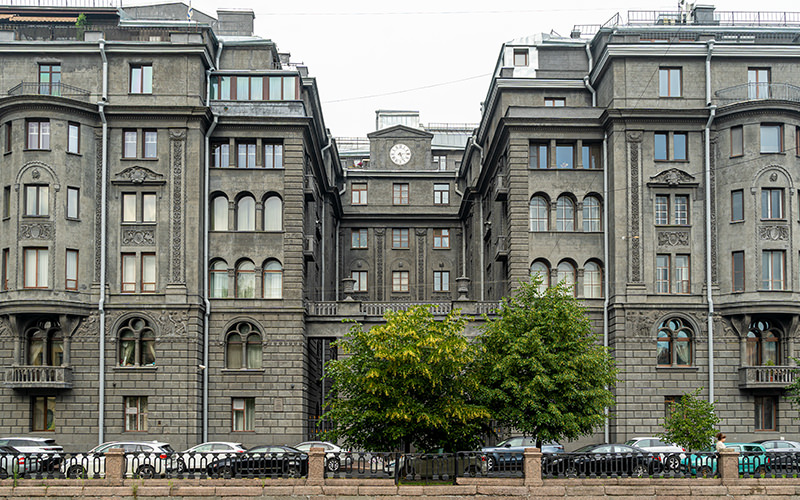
[520, 57]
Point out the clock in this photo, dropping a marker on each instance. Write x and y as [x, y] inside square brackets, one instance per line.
[400, 154]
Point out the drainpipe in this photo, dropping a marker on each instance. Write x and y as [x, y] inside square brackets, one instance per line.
[324, 239]
[482, 228]
[463, 236]
[336, 237]
[712, 113]
[206, 291]
[592, 90]
[587, 80]
[103, 243]
[606, 251]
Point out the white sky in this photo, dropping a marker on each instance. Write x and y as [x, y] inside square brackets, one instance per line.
[434, 56]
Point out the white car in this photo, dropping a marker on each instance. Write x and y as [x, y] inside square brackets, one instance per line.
[46, 453]
[332, 451]
[144, 459]
[670, 454]
[198, 457]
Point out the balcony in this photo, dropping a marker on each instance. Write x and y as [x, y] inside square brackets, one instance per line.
[758, 92]
[309, 187]
[501, 189]
[766, 377]
[501, 248]
[52, 89]
[310, 248]
[38, 377]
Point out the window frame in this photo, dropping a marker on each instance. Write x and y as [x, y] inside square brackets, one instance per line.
[220, 150]
[73, 210]
[666, 91]
[594, 222]
[759, 403]
[768, 272]
[358, 193]
[740, 194]
[565, 222]
[143, 83]
[593, 151]
[8, 134]
[73, 147]
[441, 238]
[38, 140]
[737, 141]
[239, 279]
[140, 199]
[247, 412]
[768, 202]
[400, 238]
[273, 151]
[661, 282]
[523, 53]
[4, 271]
[246, 153]
[41, 200]
[359, 238]
[401, 281]
[71, 279]
[53, 83]
[666, 334]
[683, 274]
[361, 281]
[441, 194]
[132, 281]
[738, 275]
[756, 87]
[400, 193]
[766, 127]
[149, 152]
[271, 275]
[441, 281]
[538, 155]
[595, 287]
[555, 102]
[139, 421]
[48, 400]
[218, 277]
[41, 272]
[535, 212]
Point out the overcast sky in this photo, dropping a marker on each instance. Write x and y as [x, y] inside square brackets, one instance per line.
[428, 55]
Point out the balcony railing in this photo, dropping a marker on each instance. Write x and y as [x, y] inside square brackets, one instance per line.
[53, 89]
[758, 91]
[766, 377]
[379, 308]
[38, 377]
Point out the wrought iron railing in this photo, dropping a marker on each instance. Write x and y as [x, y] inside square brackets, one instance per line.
[603, 465]
[758, 91]
[720, 18]
[52, 89]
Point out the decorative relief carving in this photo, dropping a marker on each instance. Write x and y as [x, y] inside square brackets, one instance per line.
[713, 191]
[636, 272]
[139, 237]
[36, 175]
[673, 177]
[379, 236]
[5, 327]
[173, 323]
[98, 227]
[640, 323]
[88, 326]
[177, 139]
[634, 136]
[673, 238]
[773, 233]
[36, 231]
[139, 175]
[421, 233]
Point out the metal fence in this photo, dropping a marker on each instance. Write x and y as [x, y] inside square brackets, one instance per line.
[407, 467]
[614, 465]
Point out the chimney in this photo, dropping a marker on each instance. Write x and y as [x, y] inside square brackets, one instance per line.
[704, 14]
[235, 22]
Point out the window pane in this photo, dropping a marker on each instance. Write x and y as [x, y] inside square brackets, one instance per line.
[737, 205]
[539, 214]
[738, 271]
[272, 214]
[129, 150]
[565, 215]
[43, 266]
[225, 88]
[128, 273]
[147, 79]
[681, 274]
[660, 145]
[275, 93]
[72, 203]
[771, 138]
[234, 354]
[564, 156]
[256, 88]
[273, 283]
[129, 207]
[663, 82]
[246, 214]
[662, 209]
[242, 88]
[136, 80]
[72, 140]
[72, 269]
[148, 273]
[675, 82]
[289, 88]
[219, 221]
[150, 146]
[679, 147]
[149, 207]
[662, 274]
[681, 210]
[737, 143]
[591, 214]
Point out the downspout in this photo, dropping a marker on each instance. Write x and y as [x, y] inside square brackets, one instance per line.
[587, 78]
[606, 252]
[712, 113]
[103, 242]
[482, 228]
[336, 237]
[206, 291]
[463, 236]
[324, 239]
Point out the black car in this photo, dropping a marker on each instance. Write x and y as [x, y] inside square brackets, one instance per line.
[784, 456]
[603, 460]
[260, 461]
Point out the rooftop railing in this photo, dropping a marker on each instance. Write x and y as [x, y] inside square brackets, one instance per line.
[64, 3]
[720, 18]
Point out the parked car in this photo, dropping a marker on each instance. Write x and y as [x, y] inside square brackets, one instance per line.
[259, 461]
[779, 445]
[753, 459]
[783, 455]
[507, 455]
[605, 459]
[197, 458]
[144, 459]
[332, 459]
[437, 465]
[670, 454]
[13, 462]
[48, 458]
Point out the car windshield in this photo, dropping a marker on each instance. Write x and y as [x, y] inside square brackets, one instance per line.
[167, 448]
[630, 442]
[587, 448]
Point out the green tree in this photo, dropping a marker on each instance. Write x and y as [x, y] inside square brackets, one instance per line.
[406, 382]
[691, 422]
[792, 392]
[542, 369]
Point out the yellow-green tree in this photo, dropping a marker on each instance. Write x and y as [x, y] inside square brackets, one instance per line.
[406, 382]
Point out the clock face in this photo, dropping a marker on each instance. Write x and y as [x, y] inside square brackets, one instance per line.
[400, 154]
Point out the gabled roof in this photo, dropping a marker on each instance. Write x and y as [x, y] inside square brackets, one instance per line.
[400, 131]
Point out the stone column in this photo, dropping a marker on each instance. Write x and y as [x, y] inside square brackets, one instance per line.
[728, 465]
[533, 466]
[316, 466]
[347, 285]
[115, 466]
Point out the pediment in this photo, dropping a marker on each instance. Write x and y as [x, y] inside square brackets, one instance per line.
[400, 132]
[139, 175]
[673, 177]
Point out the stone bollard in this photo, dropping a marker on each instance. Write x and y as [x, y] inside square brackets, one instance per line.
[533, 466]
[728, 465]
[316, 466]
[115, 466]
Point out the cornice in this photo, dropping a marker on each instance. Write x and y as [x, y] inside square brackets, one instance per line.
[46, 103]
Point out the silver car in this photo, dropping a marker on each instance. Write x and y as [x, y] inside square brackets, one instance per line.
[197, 458]
[143, 459]
[41, 454]
[669, 454]
[332, 458]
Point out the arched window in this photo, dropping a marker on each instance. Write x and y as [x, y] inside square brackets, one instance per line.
[45, 344]
[218, 277]
[763, 341]
[243, 347]
[592, 281]
[674, 343]
[591, 214]
[541, 270]
[273, 280]
[137, 343]
[539, 214]
[246, 214]
[273, 214]
[245, 280]
[566, 275]
[565, 214]
[219, 214]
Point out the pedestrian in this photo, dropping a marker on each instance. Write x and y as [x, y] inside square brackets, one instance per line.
[720, 441]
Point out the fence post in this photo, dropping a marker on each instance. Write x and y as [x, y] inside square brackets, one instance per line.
[533, 466]
[728, 466]
[115, 466]
[316, 466]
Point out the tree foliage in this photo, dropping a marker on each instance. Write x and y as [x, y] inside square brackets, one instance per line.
[792, 392]
[691, 422]
[405, 383]
[541, 367]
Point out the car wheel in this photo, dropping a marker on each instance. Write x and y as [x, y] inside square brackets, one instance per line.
[76, 471]
[761, 470]
[639, 471]
[333, 464]
[146, 472]
[490, 463]
[672, 462]
[704, 471]
[471, 471]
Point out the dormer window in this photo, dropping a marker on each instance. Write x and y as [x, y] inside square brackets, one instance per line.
[521, 57]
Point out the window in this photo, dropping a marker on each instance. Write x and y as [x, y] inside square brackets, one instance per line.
[246, 154]
[220, 155]
[358, 193]
[37, 201]
[4, 276]
[566, 275]
[591, 214]
[542, 271]
[148, 272]
[737, 205]
[400, 281]
[219, 213]
[273, 155]
[243, 347]
[662, 273]
[662, 209]
[146, 275]
[679, 147]
[441, 238]
[565, 214]
[681, 209]
[139, 207]
[737, 141]
[555, 102]
[246, 214]
[441, 281]
[73, 138]
[136, 413]
[71, 270]
[137, 343]
[592, 281]
[282, 88]
[674, 343]
[591, 156]
[73, 198]
[440, 161]
[129, 140]
[660, 146]
[565, 156]
[243, 414]
[539, 211]
[763, 344]
[131, 147]
[6, 202]
[150, 144]
[400, 194]
[43, 413]
[273, 214]
[771, 138]
[249, 88]
[757, 83]
[45, 344]
[682, 272]
[360, 284]
[538, 156]
[38, 134]
[218, 279]
[661, 142]
[772, 203]
[50, 79]
[669, 82]
[441, 194]
[245, 280]
[141, 79]
[520, 57]
[358, 238]
[766, 413]
[36, 267]
[773, 263]
[399, 238]
[273, 280]
[668, 402]
[7, 128]
[738, 271]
